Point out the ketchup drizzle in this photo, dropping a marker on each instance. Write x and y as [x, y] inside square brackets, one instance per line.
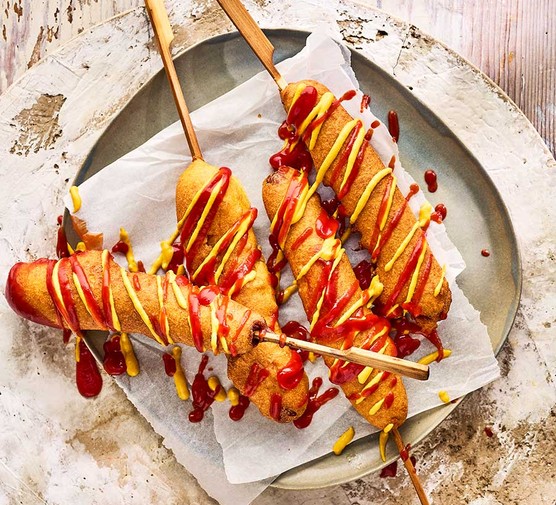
[114, 361]
[394, 125]
[315, 403]
[236, 412]
[87, 376]
[169, 364]
[203, 396]
[431, 180]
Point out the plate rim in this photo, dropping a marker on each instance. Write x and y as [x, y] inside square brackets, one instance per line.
[517, 274]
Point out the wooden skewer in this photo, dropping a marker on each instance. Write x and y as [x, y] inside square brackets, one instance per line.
[254, 36]
[410, 468]
[354, 355]
[164, 35]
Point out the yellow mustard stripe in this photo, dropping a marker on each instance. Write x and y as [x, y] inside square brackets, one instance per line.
[430, 358]
[242, 230]
[138, 306]
[319, 109]
[424, 218]
[299, 209]
[168, 243]
[179, 376]
[166, 254]
[238, 285]
[353, 156]
[376, 407]
[324, 104]
[343, 440]
[81, 246]
[328, 250]
[401, 247]
[160, 294]
[75, 198]
[180, 298]
[443, 395]
[204, 214]
[376, 379]
[213, 384]
[330, 157]
[132, 365]
[80, 292]
[389, 204]
[316, 315]
[115, 318]
[289, 291]
[56, 285]
[71, 250]
[132, 264]
[364, 374]
[415, 276]
[77, 351]
[367, 297]
[382, 441]
[298, 90]
[364, 198]
[440, 281]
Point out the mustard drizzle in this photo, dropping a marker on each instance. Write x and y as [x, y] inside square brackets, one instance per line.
[424, 219]
[318, 111]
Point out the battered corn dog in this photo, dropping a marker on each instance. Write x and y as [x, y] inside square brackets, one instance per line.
[225, 253]
[334, 303]
[369, 197]
[89, 291]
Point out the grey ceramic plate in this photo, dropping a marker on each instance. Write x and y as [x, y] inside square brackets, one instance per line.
[477, 217]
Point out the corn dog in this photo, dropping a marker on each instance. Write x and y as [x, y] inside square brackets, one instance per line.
[334, 303]
[89, 291]
[367, 192]
[225, 253]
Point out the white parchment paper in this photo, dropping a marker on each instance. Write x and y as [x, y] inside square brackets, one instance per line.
[136, 192]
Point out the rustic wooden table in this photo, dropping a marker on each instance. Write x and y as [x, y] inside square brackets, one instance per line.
[511, 41]
[497, 447]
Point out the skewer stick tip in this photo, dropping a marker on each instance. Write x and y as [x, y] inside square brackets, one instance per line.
[410, 468]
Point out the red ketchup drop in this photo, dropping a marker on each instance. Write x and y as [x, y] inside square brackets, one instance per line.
[434, 339]
[66, 335]
[169, 364]
[120, 247]
[114, 361]
[431, 180]
[325, 225]
[275, 406]
[365, 102]
[488, 431]
[237, 411]
[203, 396]
[290, 376]
[257, 374]
[296, 330]
[406, 345]
[389, 471]
[315, 403]
[87, 376]
[440, 213]
[364, 273]
[485, 253]
[394, 125]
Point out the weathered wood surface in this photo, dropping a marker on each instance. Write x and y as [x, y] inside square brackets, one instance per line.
[59, 448]
[513, 41]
